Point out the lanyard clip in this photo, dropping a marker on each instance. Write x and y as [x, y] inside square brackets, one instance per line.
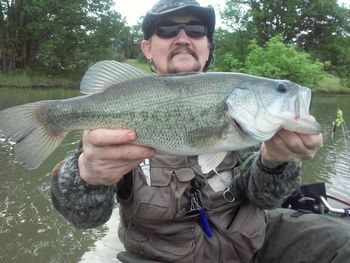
[228, 195]
[194, 204]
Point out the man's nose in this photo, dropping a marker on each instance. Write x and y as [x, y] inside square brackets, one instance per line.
[182, 36]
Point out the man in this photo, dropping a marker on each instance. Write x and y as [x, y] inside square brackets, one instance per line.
[174, 213]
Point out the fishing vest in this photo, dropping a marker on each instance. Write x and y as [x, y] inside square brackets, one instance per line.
[155, 221]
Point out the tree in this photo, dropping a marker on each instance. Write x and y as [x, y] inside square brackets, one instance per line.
[278, 61]
[230, 54]
[298, 21]
[319, 27]
[73, 49]
[62, 35]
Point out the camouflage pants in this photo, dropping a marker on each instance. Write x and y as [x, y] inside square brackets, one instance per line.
[293, 237]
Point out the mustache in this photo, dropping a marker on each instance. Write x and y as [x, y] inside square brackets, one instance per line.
[181, 48]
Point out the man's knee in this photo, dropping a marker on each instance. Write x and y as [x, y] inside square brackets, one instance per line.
[298, 237]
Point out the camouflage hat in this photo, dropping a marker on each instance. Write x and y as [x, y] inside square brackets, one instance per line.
[163, 8]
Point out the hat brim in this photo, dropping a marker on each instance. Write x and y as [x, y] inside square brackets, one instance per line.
[205, 14]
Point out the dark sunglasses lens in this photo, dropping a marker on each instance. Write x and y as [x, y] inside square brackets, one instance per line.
[167, 31]
[195, 30]
[172, 31]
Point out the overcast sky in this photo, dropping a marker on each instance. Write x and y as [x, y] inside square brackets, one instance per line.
[133, 9]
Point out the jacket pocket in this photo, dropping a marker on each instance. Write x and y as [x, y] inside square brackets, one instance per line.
[168, 246]
[172, 246]
[248, 231]
[164, 198]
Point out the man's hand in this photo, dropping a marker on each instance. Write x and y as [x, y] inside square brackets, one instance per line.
[287, 146]
[110, 154]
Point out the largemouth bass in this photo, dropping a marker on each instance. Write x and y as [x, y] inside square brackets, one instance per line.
[204, 114]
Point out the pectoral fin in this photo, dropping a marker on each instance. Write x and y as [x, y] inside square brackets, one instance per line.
[209, 161]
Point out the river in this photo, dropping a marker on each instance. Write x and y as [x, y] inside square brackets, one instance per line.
[32, 231]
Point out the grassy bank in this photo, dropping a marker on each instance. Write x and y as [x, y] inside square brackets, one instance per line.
[329, 84]
[135, 63]
[24, 80]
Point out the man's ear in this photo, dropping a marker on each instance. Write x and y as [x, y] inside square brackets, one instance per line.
[146, 48]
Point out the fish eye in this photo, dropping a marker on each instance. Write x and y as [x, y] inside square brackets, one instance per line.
[281, 87]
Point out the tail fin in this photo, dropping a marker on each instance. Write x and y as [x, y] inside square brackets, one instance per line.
[35, 138]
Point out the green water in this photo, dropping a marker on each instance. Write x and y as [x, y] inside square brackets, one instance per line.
[32, 231]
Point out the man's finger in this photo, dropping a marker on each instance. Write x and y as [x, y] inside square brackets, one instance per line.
[312, 142]
[102, 137]
[125, 152]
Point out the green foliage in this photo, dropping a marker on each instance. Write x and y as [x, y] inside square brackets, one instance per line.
[62, 36]
[279, 61]
[73, 50]
[229, 53]
[319, 27]
[305, 23]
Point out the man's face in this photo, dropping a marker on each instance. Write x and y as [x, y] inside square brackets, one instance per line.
[181, 53]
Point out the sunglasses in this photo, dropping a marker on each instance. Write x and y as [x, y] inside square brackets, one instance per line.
[170, 31]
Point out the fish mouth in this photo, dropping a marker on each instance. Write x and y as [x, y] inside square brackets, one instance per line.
[235, 124]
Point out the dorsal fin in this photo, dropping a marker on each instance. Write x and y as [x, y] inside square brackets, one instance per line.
[106, 73]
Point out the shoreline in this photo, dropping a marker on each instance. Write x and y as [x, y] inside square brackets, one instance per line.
[41, 86]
